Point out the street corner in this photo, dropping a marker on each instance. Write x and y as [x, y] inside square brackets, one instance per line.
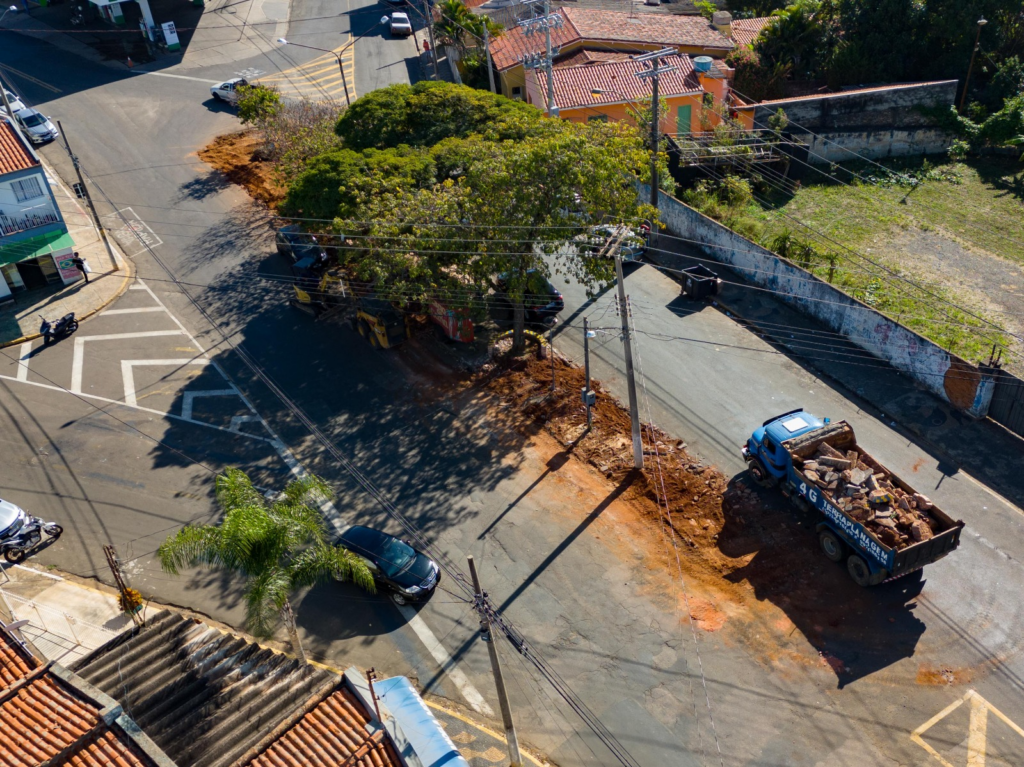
[480, 745]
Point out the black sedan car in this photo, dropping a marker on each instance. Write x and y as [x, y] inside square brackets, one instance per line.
[397, 567]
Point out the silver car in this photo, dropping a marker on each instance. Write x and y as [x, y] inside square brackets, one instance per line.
[38, 128]
[400, 24]
[632, 247]
[16, 104]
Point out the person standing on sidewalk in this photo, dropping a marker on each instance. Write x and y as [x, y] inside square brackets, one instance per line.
[79, 263]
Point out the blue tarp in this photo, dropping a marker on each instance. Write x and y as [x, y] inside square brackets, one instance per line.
[425, 734]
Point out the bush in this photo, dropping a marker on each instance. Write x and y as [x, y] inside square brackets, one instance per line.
[257, 104]
[754, 81]
[298, 132]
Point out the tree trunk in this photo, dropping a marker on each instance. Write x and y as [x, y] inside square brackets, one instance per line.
[293, 631]
[518, 326]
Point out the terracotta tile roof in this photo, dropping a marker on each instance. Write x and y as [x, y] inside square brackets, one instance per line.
[573, 85]
[331, 734]
[588, 56]
[14, 155]
[745, 31]
[46, 713]
[611, 27]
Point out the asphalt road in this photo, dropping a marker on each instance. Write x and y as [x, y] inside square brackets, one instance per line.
[551, 552]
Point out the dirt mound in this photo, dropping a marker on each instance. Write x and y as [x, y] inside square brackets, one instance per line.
[236, 156]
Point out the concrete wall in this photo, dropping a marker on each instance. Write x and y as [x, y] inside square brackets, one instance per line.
[953, 379]
[874, 123]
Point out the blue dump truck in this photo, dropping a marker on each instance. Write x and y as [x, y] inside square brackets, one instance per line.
[873, 520]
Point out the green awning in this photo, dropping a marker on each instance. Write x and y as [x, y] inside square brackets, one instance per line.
[33, 247]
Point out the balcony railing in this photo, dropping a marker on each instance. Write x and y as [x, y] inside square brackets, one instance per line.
[14, 224]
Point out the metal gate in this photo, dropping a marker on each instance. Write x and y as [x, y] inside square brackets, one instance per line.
[1007, 405]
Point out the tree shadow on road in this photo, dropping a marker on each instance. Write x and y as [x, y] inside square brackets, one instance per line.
[856, 631]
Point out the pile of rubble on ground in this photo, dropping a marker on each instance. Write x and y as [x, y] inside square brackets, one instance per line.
[897, 518]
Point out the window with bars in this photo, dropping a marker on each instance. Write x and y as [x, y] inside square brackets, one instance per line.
[27, 189]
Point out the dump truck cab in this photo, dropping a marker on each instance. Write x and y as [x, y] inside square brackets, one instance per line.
[768, 460]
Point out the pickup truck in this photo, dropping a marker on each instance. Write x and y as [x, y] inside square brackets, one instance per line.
[872, 519]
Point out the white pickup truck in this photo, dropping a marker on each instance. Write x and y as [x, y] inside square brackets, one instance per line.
[228, 91]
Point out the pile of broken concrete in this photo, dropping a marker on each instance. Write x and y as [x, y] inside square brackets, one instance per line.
[897, 518]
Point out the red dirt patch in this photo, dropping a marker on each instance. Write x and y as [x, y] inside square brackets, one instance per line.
[928, 674]
[235, 155]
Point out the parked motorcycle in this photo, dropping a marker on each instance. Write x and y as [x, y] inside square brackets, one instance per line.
[16, 547]
[51, 330]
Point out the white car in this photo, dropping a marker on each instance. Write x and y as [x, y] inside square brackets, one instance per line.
[400, 24]
[38, 128]
[228, 91]
[16, 104]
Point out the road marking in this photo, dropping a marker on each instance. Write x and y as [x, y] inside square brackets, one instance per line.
[26, 353]
[134, 311]
[189, 397]
[238, 420]
[444, 660]
[79, 356]
[128, 373]
[977, 728]
[177, 77]
[31, 79]
[477, 726]
[137, 287]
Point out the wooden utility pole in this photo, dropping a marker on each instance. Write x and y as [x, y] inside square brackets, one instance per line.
[479, 603]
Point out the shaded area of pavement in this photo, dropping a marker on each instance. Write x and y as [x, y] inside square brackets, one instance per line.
[20, 317]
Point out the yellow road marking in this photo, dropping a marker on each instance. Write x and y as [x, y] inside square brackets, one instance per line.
[31, 79]
[977, 729]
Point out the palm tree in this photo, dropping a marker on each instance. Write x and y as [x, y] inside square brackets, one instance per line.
[456, 24]
[277, 546]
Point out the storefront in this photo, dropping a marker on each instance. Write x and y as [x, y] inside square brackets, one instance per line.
[37, 262]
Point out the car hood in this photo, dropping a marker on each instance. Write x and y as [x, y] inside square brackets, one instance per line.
[421, 568]
[8, 514]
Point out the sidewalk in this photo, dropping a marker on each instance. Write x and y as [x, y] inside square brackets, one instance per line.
[983, 448]
[19, 319]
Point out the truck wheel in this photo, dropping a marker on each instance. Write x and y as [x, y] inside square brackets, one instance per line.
[760, 474]
[363, 328]
[832, 547]
[374, 341]
[859, 571]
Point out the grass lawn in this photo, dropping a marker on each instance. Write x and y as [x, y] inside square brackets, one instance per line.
[958, 231]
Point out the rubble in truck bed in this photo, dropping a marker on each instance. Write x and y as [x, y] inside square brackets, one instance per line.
[897, 518]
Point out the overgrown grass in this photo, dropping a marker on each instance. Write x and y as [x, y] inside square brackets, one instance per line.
[979, 204]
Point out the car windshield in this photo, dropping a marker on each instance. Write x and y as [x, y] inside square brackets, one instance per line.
[33, 120]
[396, 557]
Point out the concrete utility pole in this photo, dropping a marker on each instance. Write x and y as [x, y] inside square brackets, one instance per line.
[487, 50]
[588, 395]
[429, 18]
[535, 61]
[653, 73]
[515, 760]
[7, 104]
[88, 197]
[634, 408]
[974, 52]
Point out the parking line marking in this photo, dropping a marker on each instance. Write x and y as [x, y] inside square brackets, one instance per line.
[26, 353]
[134, 311]
[79, 353]
[977, 728]
[189, 397]
[444, 660]
[128, 374]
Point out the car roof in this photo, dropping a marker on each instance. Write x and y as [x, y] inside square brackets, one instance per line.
[363, 537]
[400, 16]
[26, 111]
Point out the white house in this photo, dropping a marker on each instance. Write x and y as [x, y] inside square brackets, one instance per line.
[35, 247]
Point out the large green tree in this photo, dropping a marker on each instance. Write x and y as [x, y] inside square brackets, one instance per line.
[277, 546]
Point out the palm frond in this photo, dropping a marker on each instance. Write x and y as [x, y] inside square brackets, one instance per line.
[310, 490]
[190, 546]
[265, 595]
[322, 563]
[234, 489]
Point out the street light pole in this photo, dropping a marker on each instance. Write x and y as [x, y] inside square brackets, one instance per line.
[977, 43]
[10, 9]
[337, 54]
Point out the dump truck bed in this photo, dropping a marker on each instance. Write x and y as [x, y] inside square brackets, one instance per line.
[874, 507]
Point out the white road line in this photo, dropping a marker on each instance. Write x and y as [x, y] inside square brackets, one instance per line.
[26, 353]
[154, 411]
[189, 397]
[134, 311]
[128, 373]
[177, 77]
[444, 660]
[79, 354]
[238, 420]
[137, 287]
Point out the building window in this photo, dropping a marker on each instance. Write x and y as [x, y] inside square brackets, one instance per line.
[27, 189]
[709, 99]
[517, 93]
[597, 119]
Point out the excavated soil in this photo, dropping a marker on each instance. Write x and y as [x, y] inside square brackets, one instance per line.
[236, 156]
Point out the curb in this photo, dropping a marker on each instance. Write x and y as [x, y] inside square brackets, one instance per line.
[129, 267]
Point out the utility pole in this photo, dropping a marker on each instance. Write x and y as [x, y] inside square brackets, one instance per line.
[588, 395]
[487, 50]
[88, 197]
[429, 18]
[479, 602]
[653, 73]
[534, 60]
[974, 52]
[7, 104]
[634, 409]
